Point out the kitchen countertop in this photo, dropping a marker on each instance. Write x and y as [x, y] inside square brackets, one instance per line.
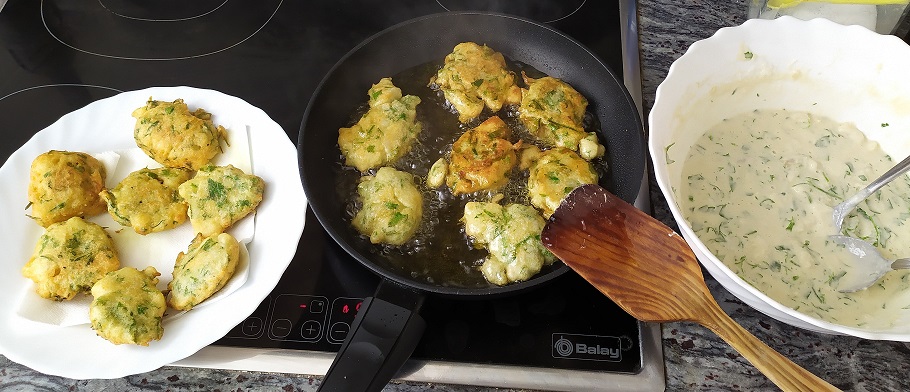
[695, 358]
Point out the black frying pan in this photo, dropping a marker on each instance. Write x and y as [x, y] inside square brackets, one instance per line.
[388, 327]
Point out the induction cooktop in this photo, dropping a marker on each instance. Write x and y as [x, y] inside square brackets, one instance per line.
[61, 55]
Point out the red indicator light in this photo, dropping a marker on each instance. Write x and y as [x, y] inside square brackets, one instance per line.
[345, 309]
[357, 308]
[302, 306]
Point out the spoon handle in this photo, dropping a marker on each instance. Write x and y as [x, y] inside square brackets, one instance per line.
[841, 210]
[901, 264]
[889, 175]
[875, 185]
[780, 370]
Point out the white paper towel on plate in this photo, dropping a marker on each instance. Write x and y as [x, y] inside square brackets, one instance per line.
[158, 250]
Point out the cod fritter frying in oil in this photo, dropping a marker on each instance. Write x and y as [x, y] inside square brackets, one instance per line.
[481, 158]
[69, 258]
[474, 77]
[477, 84]
[64, 184]
[219, 196]
[392, 207]
[127, 307]
[205, 268]
[554, 175]
[385, 133]
[147, 199]
[175, 137]
[511, 234]
[553, 112]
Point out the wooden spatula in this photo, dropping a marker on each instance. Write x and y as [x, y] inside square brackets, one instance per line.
[650, 272]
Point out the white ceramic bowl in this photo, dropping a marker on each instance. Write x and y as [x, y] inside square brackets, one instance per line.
[846, 73]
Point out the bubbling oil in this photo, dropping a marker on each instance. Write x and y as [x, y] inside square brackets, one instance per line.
[440, 252]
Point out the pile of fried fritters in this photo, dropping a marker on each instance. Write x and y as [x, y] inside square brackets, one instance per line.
[75, 255]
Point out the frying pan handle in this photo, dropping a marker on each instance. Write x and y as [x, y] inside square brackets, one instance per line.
[385, 332]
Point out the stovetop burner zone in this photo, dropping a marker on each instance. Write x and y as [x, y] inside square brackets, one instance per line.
[151, 31]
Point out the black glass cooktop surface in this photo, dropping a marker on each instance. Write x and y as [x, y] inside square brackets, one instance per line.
[60, 55]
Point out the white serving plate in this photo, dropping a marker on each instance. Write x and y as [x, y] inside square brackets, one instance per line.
[75, 351]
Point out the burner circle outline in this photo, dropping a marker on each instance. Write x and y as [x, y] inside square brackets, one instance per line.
[58, 85]
[46, 27]
[162, 20]
[546, 21]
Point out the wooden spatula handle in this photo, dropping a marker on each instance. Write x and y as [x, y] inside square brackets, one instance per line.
[780, 370]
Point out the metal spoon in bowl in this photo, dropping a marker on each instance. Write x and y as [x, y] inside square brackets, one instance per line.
[841, 210]
[866, 266]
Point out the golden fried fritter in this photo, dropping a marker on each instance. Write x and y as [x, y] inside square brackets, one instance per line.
[554, 175]
[481, 158]
[474, 76]
[385, 133]
[175, 137]
[392, 207]
[127, 307]
[219, 196]
[64, 184]
[553, 112]
[205, 268]
[147, 199]
[69, 258]
[512, 236]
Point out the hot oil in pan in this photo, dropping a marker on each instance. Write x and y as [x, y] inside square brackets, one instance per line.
[441, 253]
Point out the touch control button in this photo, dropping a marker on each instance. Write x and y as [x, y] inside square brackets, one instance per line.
[310, 330]
[317, 306]
[281, 328]
[339, 331]
[252, 326]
